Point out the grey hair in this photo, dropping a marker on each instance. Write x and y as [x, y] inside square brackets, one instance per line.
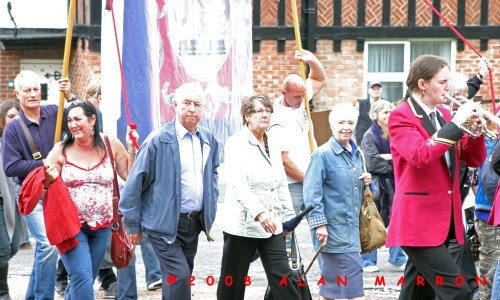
[24, 76]
[458, 84]
[379, 106]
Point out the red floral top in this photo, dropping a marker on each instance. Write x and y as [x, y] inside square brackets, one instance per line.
[91, 190]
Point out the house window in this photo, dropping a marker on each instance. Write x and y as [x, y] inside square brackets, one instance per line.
[389, 62]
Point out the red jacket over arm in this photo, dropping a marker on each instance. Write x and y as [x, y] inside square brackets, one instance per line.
[59, 212]
[426, 195]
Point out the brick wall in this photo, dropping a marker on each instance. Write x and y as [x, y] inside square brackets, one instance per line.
[9, 67]
[345, 68]
[85, 65]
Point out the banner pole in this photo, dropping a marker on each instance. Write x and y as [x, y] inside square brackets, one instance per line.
[302, 71]
[67, 53]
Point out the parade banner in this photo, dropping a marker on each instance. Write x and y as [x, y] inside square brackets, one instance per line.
[167, 43]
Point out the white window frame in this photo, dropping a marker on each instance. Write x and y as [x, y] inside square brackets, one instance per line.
[400, 76]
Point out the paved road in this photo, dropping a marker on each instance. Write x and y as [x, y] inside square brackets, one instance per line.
[207, 264]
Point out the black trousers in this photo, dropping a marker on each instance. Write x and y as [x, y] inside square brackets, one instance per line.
[432, 264]
[177, 259]
[237, 254]
[463, 257]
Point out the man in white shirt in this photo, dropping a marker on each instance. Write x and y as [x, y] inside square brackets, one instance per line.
[289, 125]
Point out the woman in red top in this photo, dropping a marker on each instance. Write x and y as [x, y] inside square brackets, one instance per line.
[426, 145]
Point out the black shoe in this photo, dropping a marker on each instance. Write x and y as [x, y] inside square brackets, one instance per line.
[4, 295]
[110, 291]
[61, 287]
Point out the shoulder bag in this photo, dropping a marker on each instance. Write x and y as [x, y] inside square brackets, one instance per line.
[372, 232]
[122, 251]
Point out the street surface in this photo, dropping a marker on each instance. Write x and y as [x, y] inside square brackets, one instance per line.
[207, 265]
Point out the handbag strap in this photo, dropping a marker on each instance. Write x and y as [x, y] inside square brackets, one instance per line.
[295, 254]
[34, 150]
[367, 190]
[116, 192]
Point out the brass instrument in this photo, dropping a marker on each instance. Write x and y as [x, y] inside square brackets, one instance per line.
[476, 128]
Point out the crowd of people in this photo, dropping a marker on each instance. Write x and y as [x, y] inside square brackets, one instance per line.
[415, 152]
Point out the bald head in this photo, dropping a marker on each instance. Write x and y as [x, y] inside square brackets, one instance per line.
[293, 80]
[294, 91]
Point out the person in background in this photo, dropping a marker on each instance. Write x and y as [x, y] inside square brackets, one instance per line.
[489, 249]
[11, 226]
[19, 160]
[257, 202]
[334, 184]
[463, 253]
[426, 145]
[171, 193]
[83, 163]
[376, 148]
[364, 105]
[289, 126]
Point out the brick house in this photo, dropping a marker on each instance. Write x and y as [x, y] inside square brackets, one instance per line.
[357, 41]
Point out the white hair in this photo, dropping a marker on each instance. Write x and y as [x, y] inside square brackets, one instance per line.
[190, 90]
[343, 109]
[458, 84]
[24, 76]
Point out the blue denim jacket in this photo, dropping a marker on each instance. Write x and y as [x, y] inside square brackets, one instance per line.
[151, 197]
[331, 183]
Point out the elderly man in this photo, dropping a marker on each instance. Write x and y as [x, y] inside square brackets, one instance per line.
[24, 152]
[172, 190]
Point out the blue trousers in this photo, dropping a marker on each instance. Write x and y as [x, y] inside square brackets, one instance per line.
[177, 258]
[127, 281]
[43, 274]
[83, 262]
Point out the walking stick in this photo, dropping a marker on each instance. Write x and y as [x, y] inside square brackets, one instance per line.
[313, 259]
[302, 70]
[67, 51]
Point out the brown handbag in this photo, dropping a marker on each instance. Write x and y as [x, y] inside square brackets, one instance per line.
[122, 251]
[372, 232]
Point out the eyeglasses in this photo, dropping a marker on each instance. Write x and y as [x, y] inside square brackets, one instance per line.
[188, 103]
[260, 111]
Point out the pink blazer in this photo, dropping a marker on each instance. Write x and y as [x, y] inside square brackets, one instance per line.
[427, 194]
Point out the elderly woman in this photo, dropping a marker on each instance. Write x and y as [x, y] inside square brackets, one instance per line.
[85, 168]
[10, 221]
[334, 183]
[257, 201]
[375, 145]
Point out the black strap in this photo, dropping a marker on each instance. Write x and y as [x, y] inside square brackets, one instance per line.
[34, 150]
[295, 254]
[116, 192]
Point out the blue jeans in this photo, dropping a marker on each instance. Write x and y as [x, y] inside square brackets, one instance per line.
[397, 257]
[8, 248]
[83, 262]
[495, 292]
[127, 281]
[43, 274]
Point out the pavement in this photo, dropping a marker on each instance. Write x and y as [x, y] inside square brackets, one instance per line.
[207, 269]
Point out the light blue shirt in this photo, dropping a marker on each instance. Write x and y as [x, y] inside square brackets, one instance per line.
[191, 169]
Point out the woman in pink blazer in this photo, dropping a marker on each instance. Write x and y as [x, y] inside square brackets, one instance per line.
[426, 146]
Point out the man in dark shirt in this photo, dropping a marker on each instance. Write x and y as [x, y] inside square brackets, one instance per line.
[19, 160]
[364, 105]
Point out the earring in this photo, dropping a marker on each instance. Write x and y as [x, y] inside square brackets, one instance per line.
[93, 131]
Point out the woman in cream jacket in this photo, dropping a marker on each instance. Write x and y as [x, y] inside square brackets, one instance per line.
[257, 202]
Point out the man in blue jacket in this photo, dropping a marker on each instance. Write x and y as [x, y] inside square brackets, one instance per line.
[171, 192]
